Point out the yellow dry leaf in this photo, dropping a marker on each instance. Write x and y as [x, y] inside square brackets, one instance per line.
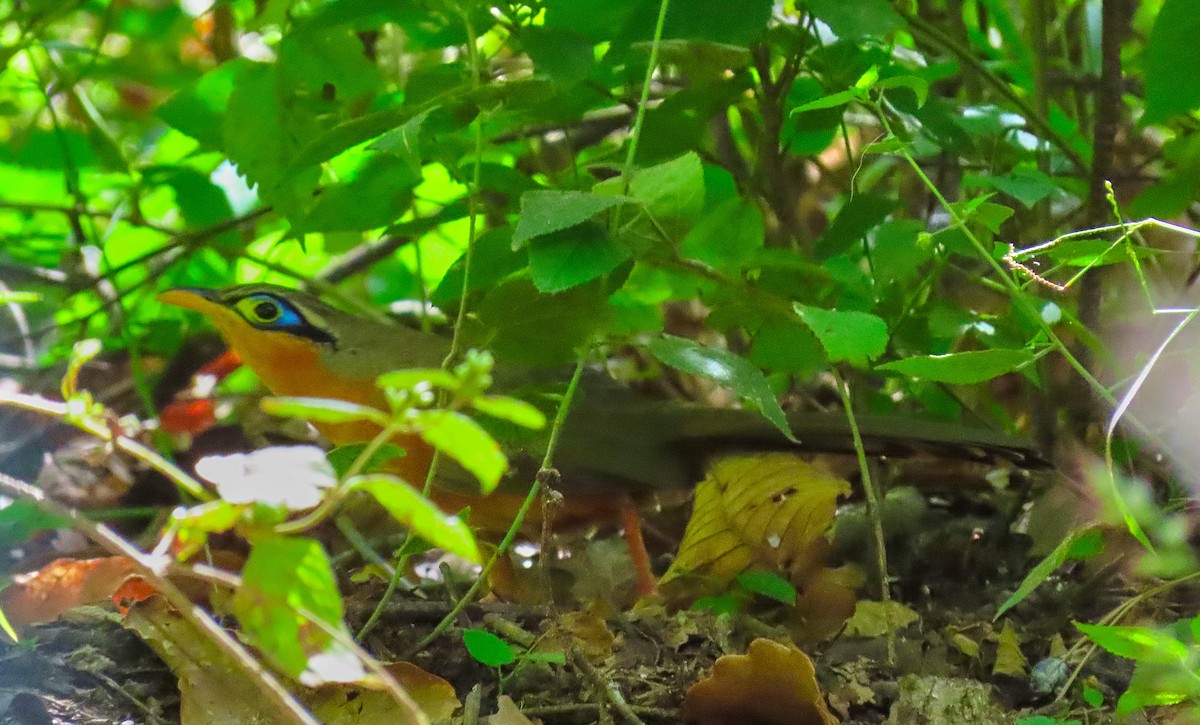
[963, 643]
[875, 619]
[772, 684]
[767, 509]
[1009, 658]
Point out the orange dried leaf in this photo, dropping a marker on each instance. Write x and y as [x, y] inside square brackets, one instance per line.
[133, 590]
[771, 510]
[61, 585]
[772, 684]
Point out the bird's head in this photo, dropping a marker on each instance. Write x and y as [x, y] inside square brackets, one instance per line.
[283, 335]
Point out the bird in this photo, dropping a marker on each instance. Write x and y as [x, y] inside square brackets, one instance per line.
[616, 448]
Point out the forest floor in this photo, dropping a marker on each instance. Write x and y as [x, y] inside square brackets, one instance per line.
[935, 655]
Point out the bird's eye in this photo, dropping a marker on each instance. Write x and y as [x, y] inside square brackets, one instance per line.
[262, 310]
[266, 311]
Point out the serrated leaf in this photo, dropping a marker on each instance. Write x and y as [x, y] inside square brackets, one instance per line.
[461, 438]
[855, 337]
[488, 649]
[322, 410]
[420, 515]
[510, 409]
[543, 211]
[961, 368]
[726, 368]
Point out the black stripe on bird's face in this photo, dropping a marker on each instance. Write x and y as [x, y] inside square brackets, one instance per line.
[264, 309]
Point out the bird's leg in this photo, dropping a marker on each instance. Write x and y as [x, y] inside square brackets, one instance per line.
[631, 523]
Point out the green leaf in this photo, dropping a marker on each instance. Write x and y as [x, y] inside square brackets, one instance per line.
[342, 457]
[727, 237]
[322, 410]
[286, 581]
[768, 584]
[721, 604]
[462, 439]
[833, 100]
[569, 257]
[672, 192]
[510, 409]
[565, 56]
[918, 85]
[1171, 52]
[7, 628]
[533, 328]
[855, 337]
[1028, 186]
[961, 368]
[199, 109]
[1087, 540]
[1093, 696]
[1143, 644]
[861, 214]
[786, 346]
[543, 211]
[374, 194]
[22, 518]
[733, 372]
[858, 19]
[488, 649]
[897, 254]
[420, 515]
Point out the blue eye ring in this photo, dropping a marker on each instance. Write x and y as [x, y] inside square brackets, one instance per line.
[269, 312]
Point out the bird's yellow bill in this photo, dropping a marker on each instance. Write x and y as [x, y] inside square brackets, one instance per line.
[188, 298]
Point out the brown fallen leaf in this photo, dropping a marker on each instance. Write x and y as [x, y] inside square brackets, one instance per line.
[61, 585]
[507, 713]
[772, 684]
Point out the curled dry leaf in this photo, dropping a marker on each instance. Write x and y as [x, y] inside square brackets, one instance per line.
[772, 684]
[61, 585]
